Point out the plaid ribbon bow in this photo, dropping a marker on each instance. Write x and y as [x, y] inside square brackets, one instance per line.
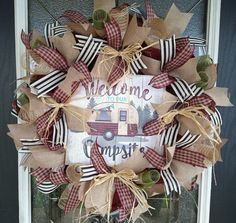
[156, 126]
[57, 61]
[126, 197]
[183, 53]
[182, 155]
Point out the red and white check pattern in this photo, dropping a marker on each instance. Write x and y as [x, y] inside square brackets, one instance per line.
[155, 159]
[25, 38]
[203, 99]
[155, 127]
[52, 57]
[75, 16]
[117, 72]
[190, 157]
[184, 53]
[113, 34]
[73, 199]
[161, 80]
[97, 160]
[82, 68]
[58, 177]
[126, 198]
[149, 10]
[41, 174]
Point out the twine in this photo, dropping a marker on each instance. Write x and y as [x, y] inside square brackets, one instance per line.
[127, 177]
[126, 54]
[50, 102]
[192, 113]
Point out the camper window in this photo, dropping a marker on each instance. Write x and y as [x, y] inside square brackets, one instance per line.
[123, 116]
[103, 116]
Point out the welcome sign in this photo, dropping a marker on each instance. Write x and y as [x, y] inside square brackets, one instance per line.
[118, 116]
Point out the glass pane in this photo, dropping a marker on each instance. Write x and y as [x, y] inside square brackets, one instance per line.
[175, 209]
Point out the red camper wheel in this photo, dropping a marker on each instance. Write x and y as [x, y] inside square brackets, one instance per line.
[108, 135]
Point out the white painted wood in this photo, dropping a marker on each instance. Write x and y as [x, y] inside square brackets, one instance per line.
[24, 179]
[21, 22]
[213, 34]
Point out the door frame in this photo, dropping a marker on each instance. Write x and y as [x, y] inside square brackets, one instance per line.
[24, 179]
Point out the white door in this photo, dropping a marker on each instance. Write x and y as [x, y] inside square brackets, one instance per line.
[122, 124]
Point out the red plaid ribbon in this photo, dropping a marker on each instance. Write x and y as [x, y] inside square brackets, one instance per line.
[73, 199]
[126, 198]
[75, 16]
[155, 159]
[149, 9]
[25, 38]
[56, 178]
[97, 160]
[182, 155]
[161, 80]
[155, 127]
[83, 69]
[183, 53]
[117, 72]
[113, 34]
[190, 157]
[125, 195]
[52, 57]
[203, 99]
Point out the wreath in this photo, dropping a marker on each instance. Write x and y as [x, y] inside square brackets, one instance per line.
[117, 108]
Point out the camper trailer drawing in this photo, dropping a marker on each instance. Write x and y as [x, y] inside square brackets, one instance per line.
[113, 119]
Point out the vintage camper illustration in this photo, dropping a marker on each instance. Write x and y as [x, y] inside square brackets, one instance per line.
[113, 119]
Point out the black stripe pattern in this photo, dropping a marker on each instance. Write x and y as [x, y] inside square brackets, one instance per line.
[215, 117]
[137, 64]
[25, 158]
[169, 136]
[89, 48]
[47, 83]
[134, 8]
[170, 181]
[88, 172]
[187, 140]
[60, 132]
[197, 42]
[53, 29]
[184, 91]
[168, 50]
[47, 187]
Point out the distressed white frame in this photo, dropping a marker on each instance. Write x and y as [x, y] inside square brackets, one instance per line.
[24, 180]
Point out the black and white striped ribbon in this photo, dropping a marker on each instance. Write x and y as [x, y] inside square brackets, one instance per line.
[184, 91]
[187, 140]
[198, 42]
[169, 136]
[215, 117]
[53, 29]
[170, 181]
[14, 113]
[60, 132]
[24, 158]
[31, 142]
[89, 48]
[168, 50]
[134, 8]
[47, 83]
[88, 172]
[137, 64]
[47, 187]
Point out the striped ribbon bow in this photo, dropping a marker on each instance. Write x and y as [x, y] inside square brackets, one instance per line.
[174, 53]
[129, 193]
[160, 162]
[157, 126]
[60, 97]
[124, 61]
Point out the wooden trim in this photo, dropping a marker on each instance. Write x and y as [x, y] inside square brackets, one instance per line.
[213, 34]
[24, 179]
